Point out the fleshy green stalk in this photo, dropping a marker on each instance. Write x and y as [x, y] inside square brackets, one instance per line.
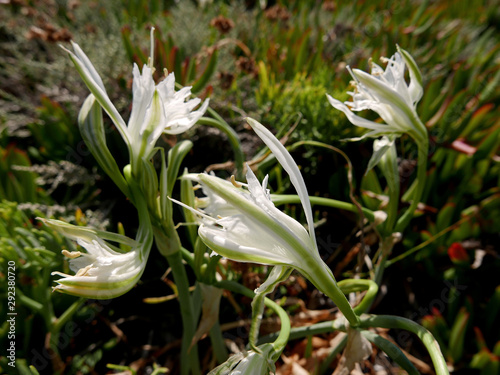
[423, 150]
[279, 199]
[189, 359]
[356, 285]
[324, 280]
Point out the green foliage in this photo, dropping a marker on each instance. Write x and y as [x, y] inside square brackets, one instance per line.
[194, 71]
[35, 251]
[16, 185]
[303, 101]
[55, 130]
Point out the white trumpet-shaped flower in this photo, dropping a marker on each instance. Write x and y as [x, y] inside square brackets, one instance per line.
[156, 109]
[241, 223]
[103, 271]
[387, 93]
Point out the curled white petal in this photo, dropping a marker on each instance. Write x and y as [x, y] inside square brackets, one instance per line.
[289, 165]
[387, 93]
[101, 272]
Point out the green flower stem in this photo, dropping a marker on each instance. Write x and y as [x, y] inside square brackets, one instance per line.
[423, 150]
[315, 329]
[324, 281]
[219, 123]
[66, 315]
[188, 257]
[29, 302]
[283, 336]
[168, 243]
[218, 344]
[356, 285]
[189, 360]
[389, 167]
[432, 346]
[386, 246]
[279, 199]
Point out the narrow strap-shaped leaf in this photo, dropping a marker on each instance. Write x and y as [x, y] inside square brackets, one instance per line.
[392, 351]
[92, 131]
[207, 73]
[175, 157]
[188, 197]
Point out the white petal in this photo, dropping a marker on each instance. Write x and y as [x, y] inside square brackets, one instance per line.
[355, 119]
[143, 88]
[384, 93]
[261, 197]
[94, 83]
[88, 65]
[289, 165]
[243, 241]
[415, 88]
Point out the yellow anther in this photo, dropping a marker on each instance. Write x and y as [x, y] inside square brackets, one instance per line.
[234, 182]
[71, 254]
[83, 271]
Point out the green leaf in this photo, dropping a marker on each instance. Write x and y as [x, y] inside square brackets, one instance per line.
[92, 130]
[457, 335]
[202, 81]
[175, 157]
[392, 351]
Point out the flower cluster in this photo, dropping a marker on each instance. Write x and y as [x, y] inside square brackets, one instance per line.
[103, 271]
[156, 109]
[386, 93]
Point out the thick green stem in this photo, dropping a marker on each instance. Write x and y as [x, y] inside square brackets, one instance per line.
[389, 166]
[66, 315]
[356, 285]
[386, 246]
[189, 359]
[323, 279]
[423, 150]
[279, 199]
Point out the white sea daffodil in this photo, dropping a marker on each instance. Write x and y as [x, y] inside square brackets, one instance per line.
[388, 94]
[241, 223]
[156, 109]
[103, 271]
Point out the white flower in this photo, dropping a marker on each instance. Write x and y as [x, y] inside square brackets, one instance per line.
[254, 230]
[155, 108]
[244, 225]
[179, 113]
[103, 271]
[388, 94]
